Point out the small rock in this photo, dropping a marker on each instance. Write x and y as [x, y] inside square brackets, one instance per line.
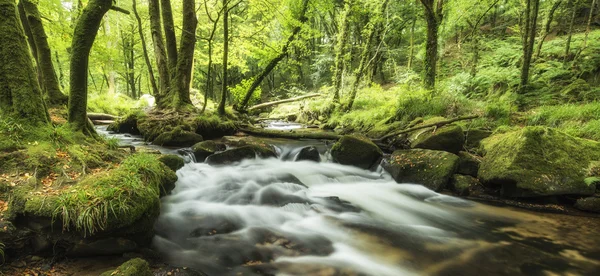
[174, 162]
[591, 204]
[429, 168]
[241, 153]
[468, 164]
[356, 150]
[133, 267]
[463, 184]
[310, 153]
[204, 149]
[178, 138]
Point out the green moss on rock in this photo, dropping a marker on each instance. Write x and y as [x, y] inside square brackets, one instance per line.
[468, 164]
[448, 138]
[174, 162]
[204, 149]
[429, 168]
[133, 267]
[538, 161]
[241, 153]
[591, 204]
[127, 124]
[356, 150]
[473, 137]
[178, 138]
[463, 185]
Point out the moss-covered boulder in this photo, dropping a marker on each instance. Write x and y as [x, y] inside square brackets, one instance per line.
[178, 138]
[590, 204]
[468, 164]
[133, 267]
[310, 153]
[473, 137]
[539, 161]
[430, 168]
[241, 153]
[464, 185]
[127, 124]
[356, 150]
[205, 149]
[212, 127]
[173, 161]
[448, 138]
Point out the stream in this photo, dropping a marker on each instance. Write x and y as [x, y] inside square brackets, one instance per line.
[281, 217]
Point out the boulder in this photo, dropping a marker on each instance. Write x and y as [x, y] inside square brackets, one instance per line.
[241, 153]
[206, 148]
[127, 124]
[174, 162]
[473, 137]
[591, 204]
[464, 185]
[178, 138]
[429, 168]
[310, 153]
[448, 138]
[539, 161]
[133, 267]
[356, 150]
[468, 164]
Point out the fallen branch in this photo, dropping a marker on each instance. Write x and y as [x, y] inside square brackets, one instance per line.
[438, 124]
[102, 117]
[291, 134]
[119, 9]
[265, 105]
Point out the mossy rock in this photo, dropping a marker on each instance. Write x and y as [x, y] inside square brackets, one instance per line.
[173, 161]
[463, 185]
[591, 204]
[178, 138]
[241, 153]
[468, 164]
[473, 137]
[539, 161]
[128, 124]
[430, 168]
[133, 267]
[213, 127]
[309, 153]
[448, 138]
[205, 149]
[356, 150]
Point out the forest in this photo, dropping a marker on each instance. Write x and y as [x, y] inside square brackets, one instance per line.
[299, 137]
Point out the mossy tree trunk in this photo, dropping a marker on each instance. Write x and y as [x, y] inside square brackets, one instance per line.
[221, 108]
[29, 35]
[529, 32]
[340, 50]
[151, 77]
[546, 30]
[171, 39]
[159, 48]
[570, 35]
[433, 17]
[20, 93]
[209, 69]
[84, 35]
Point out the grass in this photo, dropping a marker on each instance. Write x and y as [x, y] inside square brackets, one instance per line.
[580, 120]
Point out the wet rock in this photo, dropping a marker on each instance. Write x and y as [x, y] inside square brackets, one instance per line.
[308, 153]
[356, 150]
[204, 149]
[539, 161]
[133, 267]
[429, 168]
[463, 185]
[178, 138]
[591, 204]
[468, 164]
[126, 125]
[214, 127]
[448, 138]
[174, 162]
[241, 153]
[473, 137]
[104, 247]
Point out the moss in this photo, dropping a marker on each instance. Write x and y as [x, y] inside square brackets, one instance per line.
[206, 148]
[356, 150]
[463, 184]
[133, 267]
[578, 90]
[447, 138]
[250, 151]
[127, 124]
[178, 137]
[211, 127]
[429, 168]
[538, 161]
[103, 202]
[174, 162]
[468, 164]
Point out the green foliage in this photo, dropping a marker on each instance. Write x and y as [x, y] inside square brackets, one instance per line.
[580, 120]
[111, 103]
[239, 92]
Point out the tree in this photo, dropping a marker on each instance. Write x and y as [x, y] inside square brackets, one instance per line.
[210, 40]
[49, 83]
[151, 77]
[160, 52]
[20, 94]
[84, 35]
[546, 30]
[171, 39]
[340, 54]
[529, 27]
[433, 17]
[221, 108]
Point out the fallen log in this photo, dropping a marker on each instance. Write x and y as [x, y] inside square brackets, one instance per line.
[265, 105]
[102, 122]
[290, 134]
[438, 124]
[101, 117]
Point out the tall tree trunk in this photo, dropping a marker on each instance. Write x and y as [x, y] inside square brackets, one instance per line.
[412, 44]
[20, 93]
[340, 50]
[284, 52]
[221, 109]
[433, 17]
[159, 48]
[171, 39]
[531, 14]
[546, 30]
[31, 42]
[588, 28]
[151, 78]
[570, 36]
[83, 40]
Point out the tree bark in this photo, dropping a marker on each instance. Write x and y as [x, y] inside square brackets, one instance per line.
[171, 39]
[221, 109]
[159, 48]
[284, 52]
[531, 14]
[265, 105]
[83, 40]
[570, 36]
[31, 42]
[151, 78]
[340, 53]
[20, 94]
[412, 44]
[547, 27]
[433, 17]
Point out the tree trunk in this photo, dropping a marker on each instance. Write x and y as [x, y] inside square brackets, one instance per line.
[83, 40]
[277, 59]
[433, 17]
[340, 53]
[588, 29]
[547, 27]
[570, 36]
[531, 14]
[159, 47]
[171, 39]
[151, 78]
[221, 109]
[412, 44]
[20, 93]
[31, 42]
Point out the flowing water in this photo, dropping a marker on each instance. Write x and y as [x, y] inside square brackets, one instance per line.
[280, 217]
